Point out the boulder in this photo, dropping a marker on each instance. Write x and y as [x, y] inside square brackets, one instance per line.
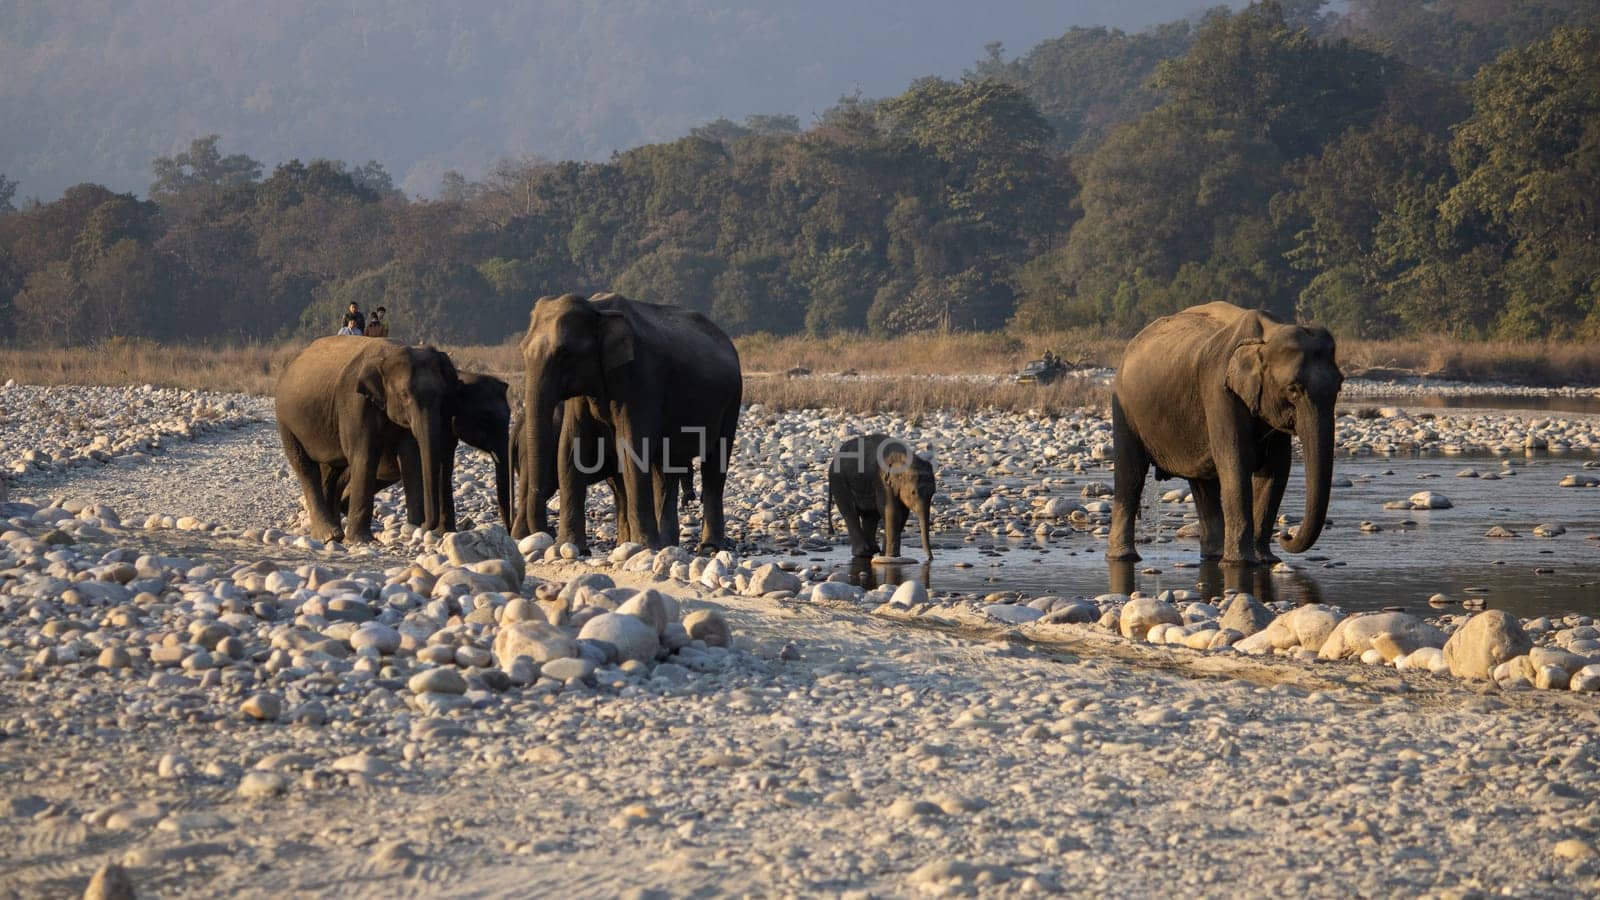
[437, 681]
[1393, 634]
[709, 626]
[835, 591]
[653, 607]
[1072, 612]
[1429, 659]
[1429, 500]
[908, 594]
[539, 642]
[382, 638]
[1565, 660]
[534, 545]
[1585, 679]
[1013, 613]
[595, 581]
[769, 579]
[486, 542]
[521, 609]
[1245, 614]
[465, 582]
[1140, 614]
[1305, 627]
[633, 637]
[1486, 640]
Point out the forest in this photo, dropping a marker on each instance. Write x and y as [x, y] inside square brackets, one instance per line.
[1390, 169]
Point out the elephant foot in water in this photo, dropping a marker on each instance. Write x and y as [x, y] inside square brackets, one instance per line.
[1123, 556]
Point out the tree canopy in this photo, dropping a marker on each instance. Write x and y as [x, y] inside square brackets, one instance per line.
[1281, 156]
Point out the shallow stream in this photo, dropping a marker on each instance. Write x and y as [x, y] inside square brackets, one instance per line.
[1416, 554]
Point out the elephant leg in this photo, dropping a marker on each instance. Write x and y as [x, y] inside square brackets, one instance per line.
[636, 478]
[1234, 472]
[871, 520]
[619, 500]
[363, 485]
[894, 524]
[713, 484]
[411, 477]
[860, 539]
[1208, 505]
[1267, 485]
[323, 515]
[666, 498]
[1132, 463]
[448, 513]
[572, 526]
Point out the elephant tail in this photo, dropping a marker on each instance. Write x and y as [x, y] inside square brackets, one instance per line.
[827, 508]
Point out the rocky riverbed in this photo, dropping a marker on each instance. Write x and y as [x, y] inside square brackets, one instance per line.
[194, 692]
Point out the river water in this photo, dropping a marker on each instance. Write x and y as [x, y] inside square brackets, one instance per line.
[1416, 554]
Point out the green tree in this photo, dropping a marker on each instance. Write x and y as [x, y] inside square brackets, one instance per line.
[672, 276]
[1529, 168]
[201, 167]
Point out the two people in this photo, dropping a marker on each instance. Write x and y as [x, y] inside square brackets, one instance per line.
[354, 323]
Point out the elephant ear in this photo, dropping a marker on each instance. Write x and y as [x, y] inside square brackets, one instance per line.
[1245, 373]
[616, 339]
[369, 384]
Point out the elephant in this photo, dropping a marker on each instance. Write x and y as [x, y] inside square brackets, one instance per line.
[342, 402]
[1213, 394]
[663, 381]
[480, 417]
[878, 478]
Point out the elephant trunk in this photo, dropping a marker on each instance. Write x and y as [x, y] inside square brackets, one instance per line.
[1315, 427]
[925, 520]
[537, 455]
[433, 448]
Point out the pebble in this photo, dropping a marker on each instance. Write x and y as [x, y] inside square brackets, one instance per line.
[262, 706]
[438, 680]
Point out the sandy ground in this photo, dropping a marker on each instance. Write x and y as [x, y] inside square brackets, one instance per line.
[833, 751]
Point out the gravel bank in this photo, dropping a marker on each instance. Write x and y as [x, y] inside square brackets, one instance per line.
[216, 707]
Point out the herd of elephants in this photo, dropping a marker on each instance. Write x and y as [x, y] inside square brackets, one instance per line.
[635, 394]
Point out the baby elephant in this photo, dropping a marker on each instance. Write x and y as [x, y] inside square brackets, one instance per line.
[875, 479]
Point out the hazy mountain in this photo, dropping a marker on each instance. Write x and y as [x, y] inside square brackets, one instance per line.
[95, 89]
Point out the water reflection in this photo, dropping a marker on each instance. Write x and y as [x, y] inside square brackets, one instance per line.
[868, 575]
[1213, 580]
[1574, 403]
[1209, 578]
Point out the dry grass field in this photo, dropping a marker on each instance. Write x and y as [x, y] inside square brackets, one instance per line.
[849, 371]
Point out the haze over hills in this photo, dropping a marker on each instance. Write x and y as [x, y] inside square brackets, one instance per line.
[95, 90]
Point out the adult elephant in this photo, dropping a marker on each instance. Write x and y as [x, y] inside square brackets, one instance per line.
[480, 417]
[342, 402]
[1213, 394]
[664, 380]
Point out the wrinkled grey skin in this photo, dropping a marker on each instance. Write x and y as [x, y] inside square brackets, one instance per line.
[592, 445]
[480, 417]
[341, 403]
[878, 479]
[1213, 394]
[664, 380]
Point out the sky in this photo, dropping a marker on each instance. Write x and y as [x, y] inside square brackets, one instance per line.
[93, 90]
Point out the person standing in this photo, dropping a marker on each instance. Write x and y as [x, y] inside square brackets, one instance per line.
[378, 325]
